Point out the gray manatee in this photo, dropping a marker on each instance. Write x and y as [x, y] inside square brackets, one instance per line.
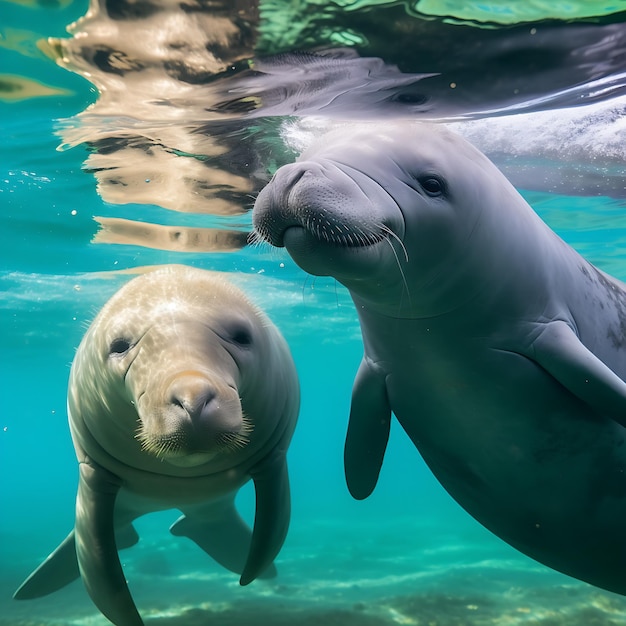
[500, 350]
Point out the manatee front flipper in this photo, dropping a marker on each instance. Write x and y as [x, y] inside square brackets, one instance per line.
[368, 431]
[273, 511]
[218, 529]
[560, 352]
[96, 549]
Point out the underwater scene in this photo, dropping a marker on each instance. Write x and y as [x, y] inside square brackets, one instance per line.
[137, 134]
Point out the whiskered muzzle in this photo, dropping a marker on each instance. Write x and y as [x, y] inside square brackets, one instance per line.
[184, 441]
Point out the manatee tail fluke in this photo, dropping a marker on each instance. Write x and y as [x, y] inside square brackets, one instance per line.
[219, 530]
[58, 570]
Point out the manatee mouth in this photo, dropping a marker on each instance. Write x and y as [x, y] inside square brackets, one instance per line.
[327, 233]
[186, 448]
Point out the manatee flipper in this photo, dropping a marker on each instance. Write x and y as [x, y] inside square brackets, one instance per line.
[560, 352]
[272, 514]
[218, 529]
[96, 548]
[368, 431]
[58, 570]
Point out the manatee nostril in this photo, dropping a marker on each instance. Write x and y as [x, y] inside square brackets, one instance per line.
[196, 405]
[204, 413]
[292, 176]
[179, 402]
[296, 177]
[195, 395]
[206, 406]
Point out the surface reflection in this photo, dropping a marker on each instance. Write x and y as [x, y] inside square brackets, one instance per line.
[151, 137]
[442, 70]
[178, 167]
[193, 95]
[170, 238]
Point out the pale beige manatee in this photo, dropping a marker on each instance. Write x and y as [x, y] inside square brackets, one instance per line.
[180, 392]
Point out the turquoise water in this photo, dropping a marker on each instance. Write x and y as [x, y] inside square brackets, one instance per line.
[408, 554]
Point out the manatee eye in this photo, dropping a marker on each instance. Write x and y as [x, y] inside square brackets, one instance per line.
[241, 336]
[406, 97]
[119, 347]
[432, 185]
[237, 332]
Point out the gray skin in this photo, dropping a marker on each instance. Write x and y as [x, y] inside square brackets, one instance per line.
[500, 350]
[180, 392]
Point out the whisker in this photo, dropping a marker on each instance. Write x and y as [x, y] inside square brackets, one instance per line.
[236, 441]
[390, 232]
[256, 238]
[404, 282]
[304, 286]
[360, 237]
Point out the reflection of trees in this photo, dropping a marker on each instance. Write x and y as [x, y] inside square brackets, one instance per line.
[171, 238]
[177, 169]
[156, 60]
[151, 136]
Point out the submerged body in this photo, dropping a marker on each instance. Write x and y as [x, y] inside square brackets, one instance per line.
[180, 392]
[500, 350]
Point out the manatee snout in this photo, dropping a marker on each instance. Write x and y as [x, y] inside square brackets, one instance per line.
[336, 207]
[197, 415]
[283, 203]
